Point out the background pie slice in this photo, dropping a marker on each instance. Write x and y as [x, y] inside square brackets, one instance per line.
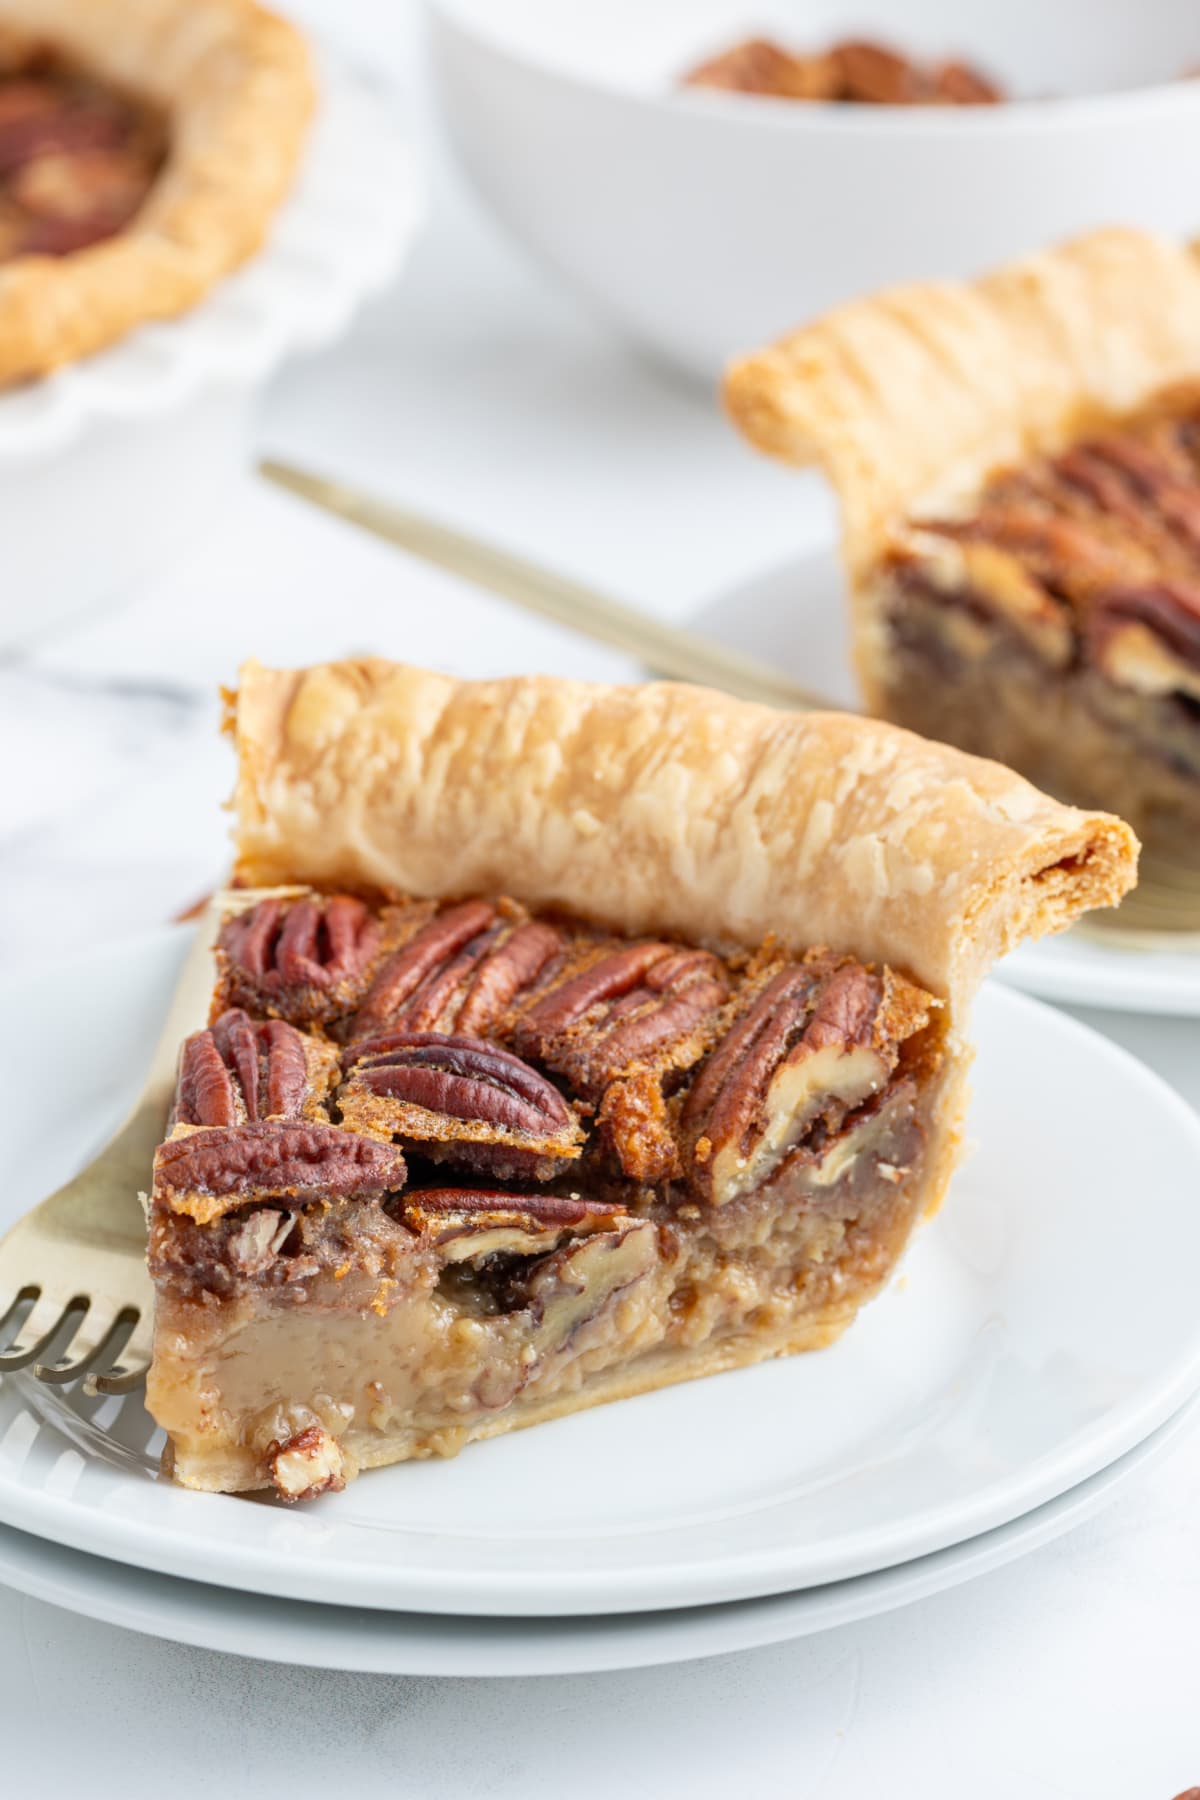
[145, 146]
[1018, 464]
[613, 1036]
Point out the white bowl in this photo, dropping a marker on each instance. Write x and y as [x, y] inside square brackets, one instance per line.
[702, 224]
[112, 463]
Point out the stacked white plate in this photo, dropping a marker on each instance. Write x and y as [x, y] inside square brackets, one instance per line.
[1007, 1384]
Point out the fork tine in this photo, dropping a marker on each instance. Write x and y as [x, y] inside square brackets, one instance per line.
[118, 1381]
[44, 1328]
[12, 1314]
[113, 1376]
[91, 1347]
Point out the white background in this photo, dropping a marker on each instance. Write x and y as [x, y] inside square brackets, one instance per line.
[482, 395]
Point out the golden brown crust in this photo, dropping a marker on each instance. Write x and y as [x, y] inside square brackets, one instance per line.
[909, 399]
[661, 808]
[236, 85]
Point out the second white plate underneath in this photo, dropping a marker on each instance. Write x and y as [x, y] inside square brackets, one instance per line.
[795, 618]
[381, 1643]
[1015, 1357]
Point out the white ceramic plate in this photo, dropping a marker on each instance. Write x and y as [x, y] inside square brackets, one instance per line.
[795, 618]
[380, 1643]
[1014, 1358]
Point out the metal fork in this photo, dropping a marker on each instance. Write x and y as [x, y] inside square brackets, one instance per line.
[75, 1267]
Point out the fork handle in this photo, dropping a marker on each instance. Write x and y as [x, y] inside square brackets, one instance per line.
[664, 649]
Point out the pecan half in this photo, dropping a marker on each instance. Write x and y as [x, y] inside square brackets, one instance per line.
[460, 972]
[957, 84]
[308, 1463]
[208, 1173]
[37, 119]
[75, 198]
[759, 66]
[1147, 638]
[240, 1071]
[645, 1004]
[575, 1292]
[459, 1099]
[468, 1224]
[305, 959]
[873, 75]
[812, 1046]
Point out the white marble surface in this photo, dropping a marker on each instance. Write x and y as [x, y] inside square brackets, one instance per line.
[477, 392]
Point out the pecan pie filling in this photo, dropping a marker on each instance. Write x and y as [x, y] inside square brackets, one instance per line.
[77, 159]
[435, 1170]
[1056, 625]
[854, 72]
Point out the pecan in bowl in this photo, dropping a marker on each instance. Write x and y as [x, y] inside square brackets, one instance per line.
[855, 71]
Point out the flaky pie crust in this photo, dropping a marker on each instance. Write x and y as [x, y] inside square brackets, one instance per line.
[661, 808]
[909, 399]
[235, 84]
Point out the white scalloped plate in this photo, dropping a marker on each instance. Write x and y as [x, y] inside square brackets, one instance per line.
[1015, 1357]
[795, 618]
[355, 208]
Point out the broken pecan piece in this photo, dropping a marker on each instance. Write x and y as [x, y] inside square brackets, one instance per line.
[459, 973]
[459, 1099]
[307, 959]
[208, 1173]
[468, 1224]
[634, 1127]
[652, 1005]
[813, 1045]
[37, 118]
[75, 198]
[240, 1071]
[308, 1463]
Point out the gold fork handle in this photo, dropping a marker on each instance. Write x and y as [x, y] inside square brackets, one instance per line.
[666, 649]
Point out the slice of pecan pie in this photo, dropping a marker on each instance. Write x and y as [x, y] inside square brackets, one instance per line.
[1018, 462]
[615, 1038]
[144, 147]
